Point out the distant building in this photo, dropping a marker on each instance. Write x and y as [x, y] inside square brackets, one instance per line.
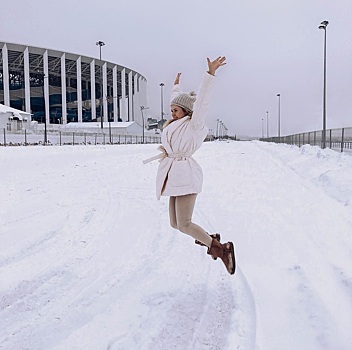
[62, 87]
[13, 119]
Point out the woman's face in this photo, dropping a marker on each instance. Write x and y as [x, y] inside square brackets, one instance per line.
[177, 112]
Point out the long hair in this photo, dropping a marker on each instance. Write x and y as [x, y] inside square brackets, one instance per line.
[168, 122]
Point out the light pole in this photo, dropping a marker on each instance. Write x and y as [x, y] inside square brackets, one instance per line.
[221, 129]
[142, 109]
[267, 124]
[100, 44]
[262, 128]
[278, 128]
[162, 100]
[323, 26]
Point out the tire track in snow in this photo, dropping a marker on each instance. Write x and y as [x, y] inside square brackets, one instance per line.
[243, 318]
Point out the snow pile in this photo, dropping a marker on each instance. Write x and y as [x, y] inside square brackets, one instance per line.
[327, 168]
[88, 259]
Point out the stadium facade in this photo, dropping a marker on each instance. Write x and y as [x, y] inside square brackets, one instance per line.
[60, 87]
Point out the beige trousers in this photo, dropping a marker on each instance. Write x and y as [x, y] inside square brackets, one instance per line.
[180, 211]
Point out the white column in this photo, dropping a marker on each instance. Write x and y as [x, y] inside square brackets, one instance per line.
[141, 93]
[114, 92]
[46, 86]
[63, 89]
[92, 89]
[105, 92]
[137, 102]
[79, 89]
[144, 91]
[6, 77]
[130, 98]
[27, 87]
[123, 107]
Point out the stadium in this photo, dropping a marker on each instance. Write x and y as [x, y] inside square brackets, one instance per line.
[57, 87]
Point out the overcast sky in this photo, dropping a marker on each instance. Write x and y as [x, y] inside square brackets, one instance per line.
[272, 46]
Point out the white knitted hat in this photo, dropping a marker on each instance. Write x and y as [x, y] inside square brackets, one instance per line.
[185, 101]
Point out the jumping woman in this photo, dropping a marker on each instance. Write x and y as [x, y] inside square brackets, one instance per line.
[179, 176]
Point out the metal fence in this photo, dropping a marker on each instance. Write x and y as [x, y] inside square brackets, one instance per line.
[61, 138]
[338, 139]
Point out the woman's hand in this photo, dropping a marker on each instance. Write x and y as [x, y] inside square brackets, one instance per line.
[177, 80]
[214, 65]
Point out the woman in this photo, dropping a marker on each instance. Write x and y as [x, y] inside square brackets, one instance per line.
[179, 176]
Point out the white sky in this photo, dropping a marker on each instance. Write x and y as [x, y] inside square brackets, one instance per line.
[271, 46]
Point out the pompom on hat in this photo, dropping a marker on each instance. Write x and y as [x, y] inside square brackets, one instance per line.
[185, 101]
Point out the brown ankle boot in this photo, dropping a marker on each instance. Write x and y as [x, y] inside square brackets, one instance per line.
[215, 236]
[225, 252]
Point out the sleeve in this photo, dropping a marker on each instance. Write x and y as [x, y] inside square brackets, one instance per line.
[201, 105]
[176, 90]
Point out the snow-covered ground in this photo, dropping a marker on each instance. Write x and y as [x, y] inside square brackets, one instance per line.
[89, 261]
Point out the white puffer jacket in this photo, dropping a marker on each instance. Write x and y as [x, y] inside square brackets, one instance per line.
[178, 173]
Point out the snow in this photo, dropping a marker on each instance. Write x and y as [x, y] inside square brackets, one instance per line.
[88, 259]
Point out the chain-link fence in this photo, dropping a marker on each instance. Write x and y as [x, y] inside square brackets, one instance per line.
[338, 139]
[25, 138]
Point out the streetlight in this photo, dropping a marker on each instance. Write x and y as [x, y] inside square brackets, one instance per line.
[100, 44]
[262, 128]
[279, 133]
[221, 130]
[267, 124]
[225, 131]
[162, 100]
[142, 109]
[323, 26]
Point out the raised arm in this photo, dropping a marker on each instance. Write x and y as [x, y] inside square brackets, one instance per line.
[176, 90]
[201, 106]
[177, 80]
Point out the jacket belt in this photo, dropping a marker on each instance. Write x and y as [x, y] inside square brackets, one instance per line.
[164, 155]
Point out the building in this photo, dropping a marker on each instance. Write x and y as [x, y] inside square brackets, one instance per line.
[60, 87]
[13, 119]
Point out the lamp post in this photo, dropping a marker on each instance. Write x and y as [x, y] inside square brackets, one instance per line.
[262, 128]
[142, 109]
[267, 124]
[162, 100]
[278, 127]
[100, 44]
[323, 26]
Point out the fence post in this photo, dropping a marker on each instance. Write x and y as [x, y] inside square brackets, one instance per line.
[330, 138]
[25, 137]
[4, 137]
[103, 138]
[85, 138]
[73, 138]
[315, 137]
[342, 137]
